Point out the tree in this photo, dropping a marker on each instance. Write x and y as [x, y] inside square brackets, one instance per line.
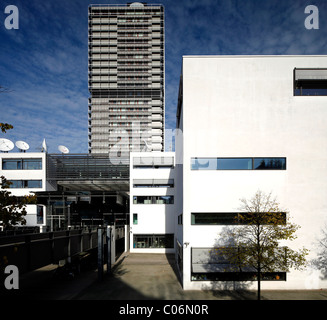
[254, 244]
[5, 126]
[12, 208]
[320, 262]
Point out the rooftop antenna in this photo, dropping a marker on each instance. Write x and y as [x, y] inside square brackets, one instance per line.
[44, 146]
[6, 145]
[22, 146]
[63, 149]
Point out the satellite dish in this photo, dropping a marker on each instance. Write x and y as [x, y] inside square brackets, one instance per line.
[6, 145]
[22, 145]
[63, 149]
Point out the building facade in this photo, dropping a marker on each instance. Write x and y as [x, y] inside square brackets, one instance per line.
[152, 202]
[249, 123]
[126, 78]
[27, 173]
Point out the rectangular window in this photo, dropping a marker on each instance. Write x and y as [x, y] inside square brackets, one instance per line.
[135, 218]
[32, 164]
[8, 164]
[153, 241]
[269, 163]
[39, 215]
[153, 162]
[228, 218]
[310, 82]
[272, 163]
[21, 164]
[23, 184]
[234, 164]
[209, 265]
[153, 183]
[153, 199]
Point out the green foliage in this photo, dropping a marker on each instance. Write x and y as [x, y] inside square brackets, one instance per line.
[5, 126]
[255, 244]
[12, 208]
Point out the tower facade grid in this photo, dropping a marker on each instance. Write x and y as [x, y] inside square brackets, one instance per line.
[126, 77]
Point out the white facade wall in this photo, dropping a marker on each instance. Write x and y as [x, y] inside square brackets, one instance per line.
[243, 106]
[31, 217]
[152, 218]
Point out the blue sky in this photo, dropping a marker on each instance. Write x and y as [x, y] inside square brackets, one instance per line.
[44, 63]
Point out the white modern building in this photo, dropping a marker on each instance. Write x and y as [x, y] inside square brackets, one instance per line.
[152, 202]
[27, 173]
[248, 123]
[126, 77]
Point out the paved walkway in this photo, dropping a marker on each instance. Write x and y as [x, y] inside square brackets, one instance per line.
[136, 277]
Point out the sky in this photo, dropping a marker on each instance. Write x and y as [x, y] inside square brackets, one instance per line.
[44, 63]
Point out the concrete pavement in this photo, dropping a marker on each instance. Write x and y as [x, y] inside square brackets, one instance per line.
[135, 277]
[153, 277]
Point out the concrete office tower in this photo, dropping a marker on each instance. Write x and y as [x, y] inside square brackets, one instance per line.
[126, 78]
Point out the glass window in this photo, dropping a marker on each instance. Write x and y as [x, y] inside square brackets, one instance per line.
[235, 164]
[32, 164]
[153, 241]
[39, 215]
[164, 200]
[204, 163]
[231, 218]
[270, 163]
[16, 184]
[153, 199]
[310, 81]
[22, 164]
[11, 164]
[213, 218]
[33, 183]
[142, 200]
[135, 221]
[238, 163]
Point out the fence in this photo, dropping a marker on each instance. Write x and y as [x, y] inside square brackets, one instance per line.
[35, 250]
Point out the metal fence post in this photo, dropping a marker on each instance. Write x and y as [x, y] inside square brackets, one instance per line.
[109, 249]
[28, 252]
[100, 253]
[68, 235]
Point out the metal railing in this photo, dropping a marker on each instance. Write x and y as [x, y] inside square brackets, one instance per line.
[35, 250]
